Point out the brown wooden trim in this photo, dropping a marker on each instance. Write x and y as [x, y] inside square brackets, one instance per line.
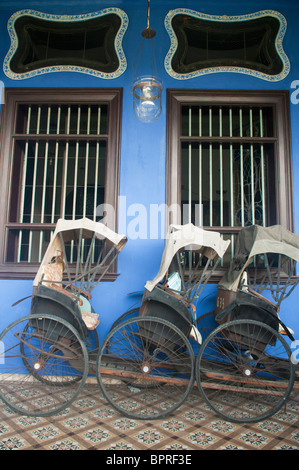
[113, 162]
[28, 273]
[281, 140]
[225, 139]
[173, 170]
[62, 137]
[284, 163]
[278, 100]
[62, 96]
[226, 97]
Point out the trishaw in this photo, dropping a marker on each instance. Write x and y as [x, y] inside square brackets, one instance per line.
[45, 356]
[245, 369]
[153, 346]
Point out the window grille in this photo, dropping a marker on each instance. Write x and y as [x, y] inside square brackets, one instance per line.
[61, 177]
[228, 160]
[224, 173]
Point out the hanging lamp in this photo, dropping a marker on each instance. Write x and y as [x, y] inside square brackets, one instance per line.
[147, 89]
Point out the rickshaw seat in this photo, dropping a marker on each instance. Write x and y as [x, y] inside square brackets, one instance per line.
[257, 302]
[53, 277]
[253, 292]
[167, 305]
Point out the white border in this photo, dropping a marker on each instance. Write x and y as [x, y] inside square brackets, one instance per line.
[225, 18]
[66, 68]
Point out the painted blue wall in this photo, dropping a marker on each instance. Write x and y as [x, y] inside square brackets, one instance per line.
[143, 146]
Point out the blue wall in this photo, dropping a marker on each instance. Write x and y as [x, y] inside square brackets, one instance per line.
[143, 146]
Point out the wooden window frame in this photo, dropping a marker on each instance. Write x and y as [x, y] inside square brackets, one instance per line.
[34, 96]
[176, 98]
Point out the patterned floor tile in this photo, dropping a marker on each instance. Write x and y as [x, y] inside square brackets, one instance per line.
[65, 444]
[90, 423]
[12, 443]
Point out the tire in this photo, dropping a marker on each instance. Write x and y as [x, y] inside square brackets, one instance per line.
[132, 313]
[244, 371]
[40, 355]
[149, 369]
[91, 343]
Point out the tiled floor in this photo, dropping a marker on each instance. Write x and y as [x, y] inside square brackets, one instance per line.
[91, 424]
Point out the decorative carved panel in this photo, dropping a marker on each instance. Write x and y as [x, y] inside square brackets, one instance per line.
[250, 44]
[43, 43]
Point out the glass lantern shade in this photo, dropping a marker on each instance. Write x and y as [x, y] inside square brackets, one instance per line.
[147, 98]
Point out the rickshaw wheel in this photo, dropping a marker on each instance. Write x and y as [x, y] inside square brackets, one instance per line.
[145, 368]
[129, 314]
[132, 313]
[244, 371]
[51, 350]
[92, 345]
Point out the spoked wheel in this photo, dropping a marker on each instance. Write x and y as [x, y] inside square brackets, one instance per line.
[132, 313]
[41, 354]
[128, 315]
[145, 368]
[244, 371]
[92, 345]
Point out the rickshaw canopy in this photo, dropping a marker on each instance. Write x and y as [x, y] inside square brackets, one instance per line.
[257, 240]
[68, 230]
[188, 237]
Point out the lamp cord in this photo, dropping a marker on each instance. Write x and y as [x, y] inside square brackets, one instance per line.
[148, 13]
[147, 33]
